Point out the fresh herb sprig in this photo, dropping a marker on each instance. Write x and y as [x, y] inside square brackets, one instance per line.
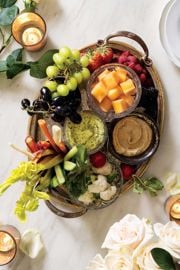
[78, 179]
[151, 184]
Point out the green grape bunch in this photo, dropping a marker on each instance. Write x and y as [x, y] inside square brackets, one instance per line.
[69, 71]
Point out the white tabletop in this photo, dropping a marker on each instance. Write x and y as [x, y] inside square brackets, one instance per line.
[71, 243]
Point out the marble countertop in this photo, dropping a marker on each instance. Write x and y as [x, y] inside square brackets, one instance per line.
[71, 243]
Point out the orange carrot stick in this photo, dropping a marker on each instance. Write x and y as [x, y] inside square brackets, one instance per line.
[31, 144]
[62, 146]
[45, 131]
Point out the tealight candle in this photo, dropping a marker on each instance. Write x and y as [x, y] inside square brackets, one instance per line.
[172, 208]
[9, 241]
[31, 36]
[6, 242]
[29, 29]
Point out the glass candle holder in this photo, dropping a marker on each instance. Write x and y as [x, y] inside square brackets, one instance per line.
[9, 242]
[172, 208]
[29, 30]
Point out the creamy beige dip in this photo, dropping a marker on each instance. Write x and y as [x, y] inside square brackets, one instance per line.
[131, 136]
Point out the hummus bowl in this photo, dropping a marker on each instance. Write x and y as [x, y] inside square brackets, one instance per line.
[113, 91]
[134, 138]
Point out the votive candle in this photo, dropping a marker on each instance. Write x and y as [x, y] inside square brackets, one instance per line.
[172, 207]
[9, 241]
[29, 29]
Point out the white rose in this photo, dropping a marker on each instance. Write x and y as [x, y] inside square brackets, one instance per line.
[172, 183]
[144, 258]
[119, 260]
[130, 232]
[97, 263]
[169, 235]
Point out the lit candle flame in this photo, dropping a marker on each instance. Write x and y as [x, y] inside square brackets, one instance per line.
[175, 210]
[6, 242]
[31, 36]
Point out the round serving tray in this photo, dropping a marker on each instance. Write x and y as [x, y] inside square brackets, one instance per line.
[61, 204]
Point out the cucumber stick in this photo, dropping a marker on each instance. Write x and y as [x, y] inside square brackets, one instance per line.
[71, 153]
[59, 174]
[69, 166]
[54, 182]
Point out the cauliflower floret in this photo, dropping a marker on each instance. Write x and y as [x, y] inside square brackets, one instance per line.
[108, 193]
[105, 170]
[86, 197]
[99, 185]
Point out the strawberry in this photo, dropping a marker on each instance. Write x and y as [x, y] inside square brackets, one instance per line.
[99, 56]
[95, 61]
[98, 159]
[127, 171]
[107, 54]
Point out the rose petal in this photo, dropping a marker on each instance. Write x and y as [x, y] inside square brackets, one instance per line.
[172, 183]
[169, 234]
[118, 259]
[97, 263]
[31, 243]
[145, 260]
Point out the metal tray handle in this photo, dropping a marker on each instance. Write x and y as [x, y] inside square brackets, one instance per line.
[64, 214]
[64, 201]
[147, 61]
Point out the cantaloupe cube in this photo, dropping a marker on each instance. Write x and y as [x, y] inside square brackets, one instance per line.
[114, 73]
[106, 104]
[109, 80]
[104, 73]
[121, 75]
[119, 105]
[99, 91]
[115, 93]
[128, 87]
[129, 99]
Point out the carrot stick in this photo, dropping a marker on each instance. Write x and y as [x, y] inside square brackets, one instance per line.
[45, 131]
[62, 146]
[31, 144]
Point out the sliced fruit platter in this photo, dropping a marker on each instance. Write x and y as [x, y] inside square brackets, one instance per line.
[96, 122]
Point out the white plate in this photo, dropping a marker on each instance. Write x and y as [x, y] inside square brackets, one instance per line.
[172, 26]
[163, 36]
